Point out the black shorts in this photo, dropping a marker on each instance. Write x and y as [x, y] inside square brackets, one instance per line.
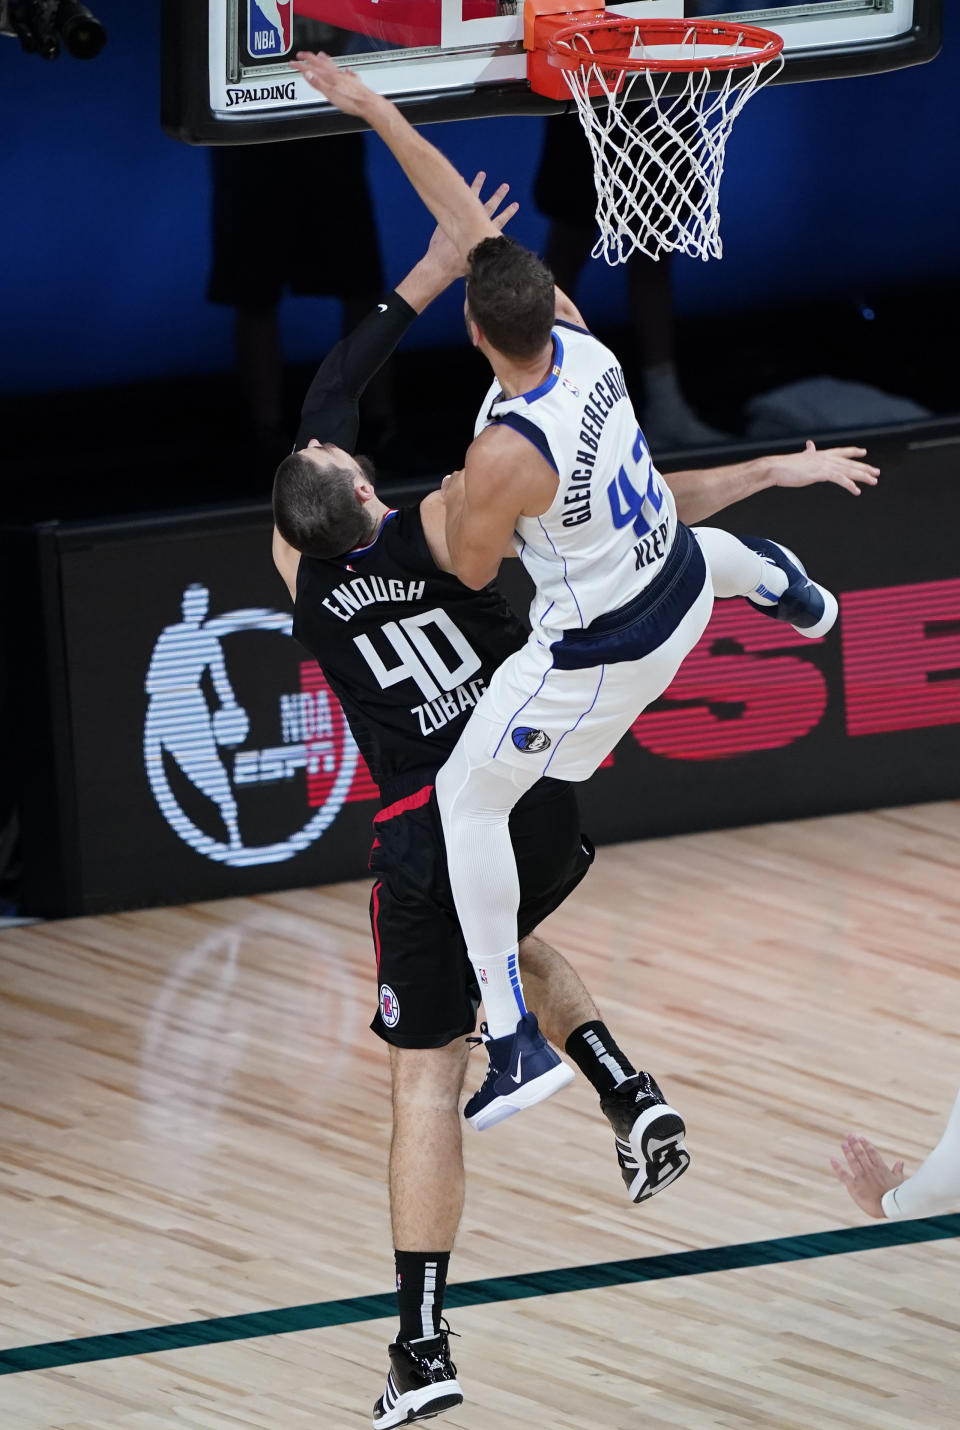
[427, 990]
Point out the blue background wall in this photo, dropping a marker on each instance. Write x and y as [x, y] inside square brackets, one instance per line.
[104, 236]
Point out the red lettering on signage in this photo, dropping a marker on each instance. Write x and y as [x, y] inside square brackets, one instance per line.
[901, 657]
[363, 786]
[325, 749]
[731, 696]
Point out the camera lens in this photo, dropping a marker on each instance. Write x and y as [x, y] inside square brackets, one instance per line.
[82, 34]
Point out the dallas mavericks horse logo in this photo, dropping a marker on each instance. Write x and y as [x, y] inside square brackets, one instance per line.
[269, 28]
[198, 759]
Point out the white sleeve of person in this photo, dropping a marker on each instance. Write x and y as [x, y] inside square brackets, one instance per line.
[935, 1187]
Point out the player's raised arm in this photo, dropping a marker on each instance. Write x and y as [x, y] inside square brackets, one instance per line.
[330, 408]
[701, 493]
[453, 204]
[567, 309]
[442, 263]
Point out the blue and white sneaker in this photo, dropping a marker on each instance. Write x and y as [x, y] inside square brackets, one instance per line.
[522, 1071]
[809, 608]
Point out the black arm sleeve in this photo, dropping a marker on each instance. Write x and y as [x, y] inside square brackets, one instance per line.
[330, 411]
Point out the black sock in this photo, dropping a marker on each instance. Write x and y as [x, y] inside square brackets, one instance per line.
[421, 1284]
[599, 1059]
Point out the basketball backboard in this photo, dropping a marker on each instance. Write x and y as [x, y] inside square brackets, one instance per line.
[227, 78]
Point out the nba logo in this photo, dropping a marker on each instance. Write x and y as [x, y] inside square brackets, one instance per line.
[269, 28]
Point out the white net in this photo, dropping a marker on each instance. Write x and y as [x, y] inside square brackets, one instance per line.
[658, 169]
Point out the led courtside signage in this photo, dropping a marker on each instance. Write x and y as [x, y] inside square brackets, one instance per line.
[195, 751]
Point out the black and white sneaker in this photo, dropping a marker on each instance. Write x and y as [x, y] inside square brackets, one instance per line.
[810, 608]
[649, 1136]
[422, 1383]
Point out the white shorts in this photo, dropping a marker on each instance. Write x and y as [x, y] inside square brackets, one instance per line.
[539, 718]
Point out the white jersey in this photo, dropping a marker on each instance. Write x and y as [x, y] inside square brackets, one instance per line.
[613, 521]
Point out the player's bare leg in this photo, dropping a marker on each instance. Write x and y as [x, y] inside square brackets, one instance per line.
[554, 990]
[426, 1156]
[426, 1203]
[649, 1134]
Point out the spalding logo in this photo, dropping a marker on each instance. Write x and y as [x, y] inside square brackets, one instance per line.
[530, 741]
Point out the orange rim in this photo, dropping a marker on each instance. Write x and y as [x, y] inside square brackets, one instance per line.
[767, 45]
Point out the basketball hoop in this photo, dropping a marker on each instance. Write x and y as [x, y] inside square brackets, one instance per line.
[658, 172]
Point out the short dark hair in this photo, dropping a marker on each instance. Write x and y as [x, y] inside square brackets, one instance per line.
[316, 509]
[510, 296]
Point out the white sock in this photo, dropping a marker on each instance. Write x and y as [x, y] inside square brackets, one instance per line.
[738, 570]
[475, 796]
[935, 1186]
[501, 991]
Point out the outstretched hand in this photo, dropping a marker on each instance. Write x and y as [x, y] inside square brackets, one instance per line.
[442, 253]
[841, 465]
[340, 86]
[866, 1176]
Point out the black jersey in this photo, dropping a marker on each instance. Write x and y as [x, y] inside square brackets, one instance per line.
[406, 648]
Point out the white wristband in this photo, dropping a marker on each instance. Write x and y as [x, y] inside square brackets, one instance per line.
[890, 1205]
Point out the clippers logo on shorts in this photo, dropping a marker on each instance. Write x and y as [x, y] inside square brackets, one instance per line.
[220, 725]
[269, 28]
[389, 1006]
[530, 741]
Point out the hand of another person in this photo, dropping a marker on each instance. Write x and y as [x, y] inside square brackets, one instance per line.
[841, 465]
[866, 1176]
[443, 255]
[340, 86]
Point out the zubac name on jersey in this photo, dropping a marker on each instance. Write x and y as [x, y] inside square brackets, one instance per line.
[407, 648]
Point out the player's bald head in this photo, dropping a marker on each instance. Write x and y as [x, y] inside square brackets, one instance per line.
[319, 501]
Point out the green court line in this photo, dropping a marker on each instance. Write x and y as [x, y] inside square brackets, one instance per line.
[321, 1314]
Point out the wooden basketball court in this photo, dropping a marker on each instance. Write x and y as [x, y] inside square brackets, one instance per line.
[195, 1122]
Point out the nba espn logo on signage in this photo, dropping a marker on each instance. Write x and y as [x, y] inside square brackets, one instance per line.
[269, 28]
[261, 773]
